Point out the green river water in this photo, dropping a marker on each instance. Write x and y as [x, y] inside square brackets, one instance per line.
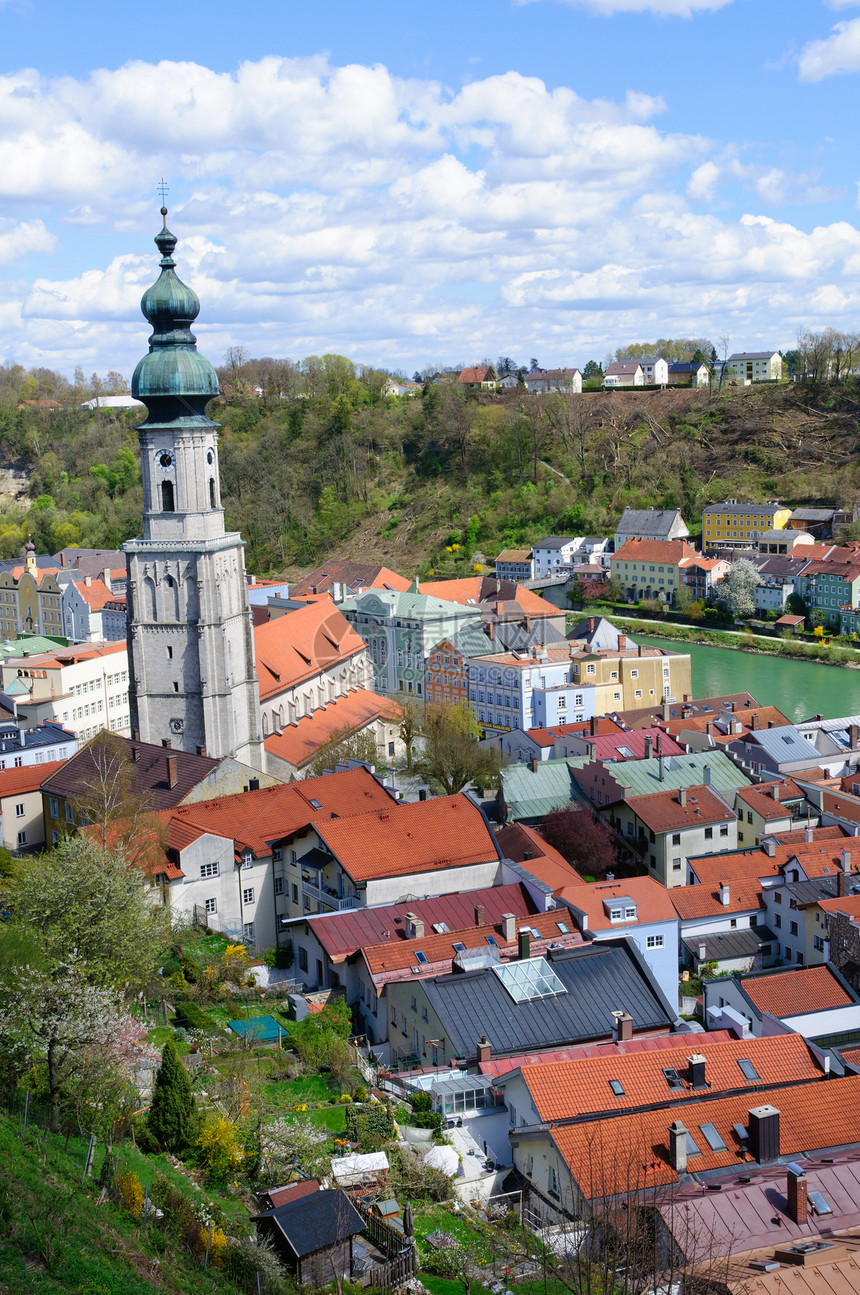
[799, 689]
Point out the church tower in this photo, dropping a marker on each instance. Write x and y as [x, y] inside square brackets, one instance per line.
[190, 641]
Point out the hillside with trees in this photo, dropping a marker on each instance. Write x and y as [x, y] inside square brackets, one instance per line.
[315, 459]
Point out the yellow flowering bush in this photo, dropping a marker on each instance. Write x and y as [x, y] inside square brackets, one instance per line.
[220, 1152]
[216, 1244]
[131, 1193]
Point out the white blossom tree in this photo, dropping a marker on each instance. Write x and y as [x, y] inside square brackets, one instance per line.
[737, 591]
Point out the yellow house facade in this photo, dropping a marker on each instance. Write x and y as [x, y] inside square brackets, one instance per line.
[30, 600]
[735, 523]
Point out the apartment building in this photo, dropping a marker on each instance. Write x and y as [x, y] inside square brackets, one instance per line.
[754, 366]
[738, 524]
[84, 689]
[651, 568]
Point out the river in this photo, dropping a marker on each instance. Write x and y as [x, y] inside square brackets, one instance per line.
[799, 689]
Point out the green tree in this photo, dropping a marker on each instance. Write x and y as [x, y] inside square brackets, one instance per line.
[82, 898]
[452, 756]
[172, 1119]
[411, 726]
[343, 746]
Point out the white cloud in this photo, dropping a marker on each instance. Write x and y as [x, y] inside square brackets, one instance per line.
[325, 208]
[837, 53]
[660, 8]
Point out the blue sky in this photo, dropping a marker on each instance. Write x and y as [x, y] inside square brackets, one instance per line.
[411, 184]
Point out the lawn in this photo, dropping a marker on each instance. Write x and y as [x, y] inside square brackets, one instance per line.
[308, 1089]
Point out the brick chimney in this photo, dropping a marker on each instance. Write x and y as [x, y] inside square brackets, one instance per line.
[763, 1123]
[622, 642]
[854, 736]
[524, 943]
[534, 763]
[201, 750]
[484, 1050]
[172, 775]
[491, 630]
[591, 624]
[798, 1206]
[592, 725]
[165, 741]
[754, 721]
[622, 1027]
[678, 1147]
[479, 914]
[509, 927]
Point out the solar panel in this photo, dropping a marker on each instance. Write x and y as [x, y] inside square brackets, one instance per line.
[712, 1137]
[531, 978]
[819, 1203]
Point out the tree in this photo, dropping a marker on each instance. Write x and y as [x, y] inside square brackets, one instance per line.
[343, 746]
[795, 605]
[411, 726]
[116, 813]
[582, 838]
[56, 1019]
[504, 364]
[297, 1141]
[93, 902]
[533, 364]
[737, 591]
[172, 1118]
[452, 757]
[615, 590]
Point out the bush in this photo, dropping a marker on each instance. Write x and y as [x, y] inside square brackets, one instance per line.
[131, 1193]
[360, 1094]
[220, 1153]
[281, 958]
[249, 1256]
[143, 1137]
[189, 1016]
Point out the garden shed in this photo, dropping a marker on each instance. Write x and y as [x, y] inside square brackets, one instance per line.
[314, 1235]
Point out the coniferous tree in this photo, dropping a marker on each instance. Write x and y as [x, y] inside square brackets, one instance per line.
[172, 1119]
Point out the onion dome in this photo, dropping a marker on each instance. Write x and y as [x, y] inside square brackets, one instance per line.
[174, 381]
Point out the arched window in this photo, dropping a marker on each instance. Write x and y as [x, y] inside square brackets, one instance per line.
[167, 502]
[212, 501]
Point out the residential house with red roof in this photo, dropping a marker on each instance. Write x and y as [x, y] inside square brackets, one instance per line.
[816, 1002]
[346, 579]
[21, 806]
[651, 568]
[480, 378]
[93, 611]
[668, 828]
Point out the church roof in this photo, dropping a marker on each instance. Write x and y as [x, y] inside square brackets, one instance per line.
[301, 644]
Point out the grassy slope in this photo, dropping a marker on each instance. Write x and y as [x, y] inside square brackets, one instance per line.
[54, 1239]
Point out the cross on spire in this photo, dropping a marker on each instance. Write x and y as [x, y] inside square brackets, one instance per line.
[163, 188]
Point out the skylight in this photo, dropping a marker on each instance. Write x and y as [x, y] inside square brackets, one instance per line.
[458, 946]
[693, 1148]
[419, 956]
[626, 752]
[530, 978]
[819, 1203]
[441, 928]
[673, 1079]
[535, 933]
[712, 1137]
[748, 1070]
[491, 939]
[617, 1087]
[563, 927]
[316, 804]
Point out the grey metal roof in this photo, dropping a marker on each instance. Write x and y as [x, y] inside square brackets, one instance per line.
[653, 520]
[604, 634]
[532, 793]
[783, 743]
[554, 542]
[813, 514]
[465, 1084]
[751, 355]
[744, 943]
[599, 980]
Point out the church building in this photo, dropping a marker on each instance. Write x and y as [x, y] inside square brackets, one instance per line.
[190, 643]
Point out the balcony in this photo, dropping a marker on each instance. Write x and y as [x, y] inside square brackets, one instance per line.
[326, 897]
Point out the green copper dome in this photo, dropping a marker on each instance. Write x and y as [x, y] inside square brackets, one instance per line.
[174, 381]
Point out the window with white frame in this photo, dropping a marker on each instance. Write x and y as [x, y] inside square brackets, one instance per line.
[654, 942]
[211, 905]
[209, 869]
[20, 809]
[248, 895]
[248, 932]
[279, 885]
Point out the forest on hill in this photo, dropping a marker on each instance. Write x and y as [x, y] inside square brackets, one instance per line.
[314, 459]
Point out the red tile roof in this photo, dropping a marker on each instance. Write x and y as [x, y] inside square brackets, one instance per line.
[15, 782]
[572, 1088]
[849, 906]
[516, 841]
[396, 840]
[793, 992]
[797, 836]
[476, 375]
[615, 1156]
[662, 811]
[301, 644]
[349, 713]
[392, 956]
[669, 552]
[606, 746]
[704, 900]
[95, 594]
[653, 902]
[279, 1196]
[480, 593]
[345, 933]
[762, 800]
[642, 1043]
[254, 819]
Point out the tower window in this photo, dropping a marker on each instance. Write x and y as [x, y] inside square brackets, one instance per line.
[167, 504]
[212, 502]
[175, 686]
[210, 457]
[170, 654]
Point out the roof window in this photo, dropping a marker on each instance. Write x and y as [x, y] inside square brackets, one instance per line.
[673, 1079]
[420, 956]
[316, 804]
[459, 946]
[712, 1137]
[617, 1087]
[491, 939]
[563, 927]
[748, 1070]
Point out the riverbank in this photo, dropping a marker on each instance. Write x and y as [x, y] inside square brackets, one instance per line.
[758, 644]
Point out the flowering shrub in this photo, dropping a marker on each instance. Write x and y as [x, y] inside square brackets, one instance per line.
[131, 1193]
[220, 1152]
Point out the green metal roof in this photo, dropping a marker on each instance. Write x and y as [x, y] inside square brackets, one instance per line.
[32, 644]
[410, 606]
[642, 777]
[532, 793]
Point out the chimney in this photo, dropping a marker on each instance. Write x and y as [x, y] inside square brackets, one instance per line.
[667, 710]
[479, 914]
[649, 747]
[416, 928]
[661, 763]
[706, 775]
[509, 928]
[770, 723]
[165, 741]
[524, 943]
[764, 1133]
[841, 877]
[484, 1051]
[201, 750]
[135, 754]
[678, 1147]
[754, 721]
[725, 894]
[682, 796]
[809, 835]
[845, 860]
[63, 558]
[640, 651]
[88, 581]
[491, 630]
[106, 580]
[172, 776]
[774, 790]
[592, 725]
[253, 784]
[854, 736]
[591, 624]
[622, 1027]
[798, 1208]
[770, 849]
[688, 696]
[703, 952]
[534, 763]
[697, 1071]
[622, 642]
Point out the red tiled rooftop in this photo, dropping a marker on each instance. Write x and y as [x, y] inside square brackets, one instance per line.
[395, 840]
[301, 644]
[665, 551]
[299, 743]
[761, 799]
[641, 1043]
[567, 1089]
[662, 811]
[525, 845]
[15, 782]
[351, 575]
[849, 905]
[791, 993]
[653, 902]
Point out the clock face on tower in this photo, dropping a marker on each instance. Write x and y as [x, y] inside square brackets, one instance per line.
[176, 725]
[166, 460]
